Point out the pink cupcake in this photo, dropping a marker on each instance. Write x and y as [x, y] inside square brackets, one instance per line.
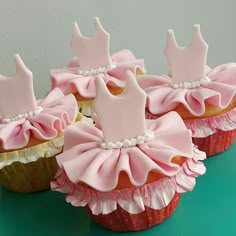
[92, 60]
[203, 97]
[127, 171]
[31, 132]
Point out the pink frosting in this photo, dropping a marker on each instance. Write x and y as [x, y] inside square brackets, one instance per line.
[69, 81]
[83, 160]
[162, 98]
[154, 195]
[58, 112]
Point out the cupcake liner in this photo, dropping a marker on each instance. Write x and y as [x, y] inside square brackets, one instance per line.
[122, 221]
[30, 169]
[204, 127]
[85, 107]
[31, 177]
[215, 143]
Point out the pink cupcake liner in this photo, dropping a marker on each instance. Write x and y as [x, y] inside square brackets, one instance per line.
[215, 143]
[122, 221]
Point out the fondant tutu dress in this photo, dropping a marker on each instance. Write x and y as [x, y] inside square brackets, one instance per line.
[127, 171]
[31, 131]
[92, 60]
[203, 97]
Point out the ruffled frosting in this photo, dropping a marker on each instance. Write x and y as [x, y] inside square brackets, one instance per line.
[154, 195]
[58, 111]
[163, 98]
[84, 161]
[69, 81]
[204, 127]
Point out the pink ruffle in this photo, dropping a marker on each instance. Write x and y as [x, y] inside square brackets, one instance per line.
[84, 161]
[154, 195]
[58, 111]
[202, 128]
[69, 81]
[163, 98]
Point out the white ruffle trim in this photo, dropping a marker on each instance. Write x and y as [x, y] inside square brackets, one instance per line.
[154, 195]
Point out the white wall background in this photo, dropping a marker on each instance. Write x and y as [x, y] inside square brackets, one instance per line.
[40, 31]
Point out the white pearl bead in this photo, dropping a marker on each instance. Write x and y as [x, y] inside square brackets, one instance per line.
[97, 71]
[31, 113]
[193, 85]
[140, 139]
[185, 84]
[147, 136]
[133, 141]
[175, 86]
[118, 144]
[126, 143]
[23, 115]
[110, 145]
[140, 142]
[103, 145]
[202, 80]
[109, 67]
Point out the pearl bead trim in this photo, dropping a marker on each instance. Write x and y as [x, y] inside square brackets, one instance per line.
[128, 142]
[99, 70]
[23, 115]
[190, 85]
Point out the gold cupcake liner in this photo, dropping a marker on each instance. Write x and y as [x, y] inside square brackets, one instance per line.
[85, 108]
[30, 169]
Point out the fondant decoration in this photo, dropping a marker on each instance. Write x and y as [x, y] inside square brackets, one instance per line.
[188, 64]
[118, 118]
[191, 83]
[23, 117]
[92, 60]
[92, 53]
[15, 102]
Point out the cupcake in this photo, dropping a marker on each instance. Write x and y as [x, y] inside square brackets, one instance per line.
[92, 60]
[203, 97]
[128, 172]
[31, 132]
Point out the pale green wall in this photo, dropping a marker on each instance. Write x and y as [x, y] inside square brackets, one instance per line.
[41, 30]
